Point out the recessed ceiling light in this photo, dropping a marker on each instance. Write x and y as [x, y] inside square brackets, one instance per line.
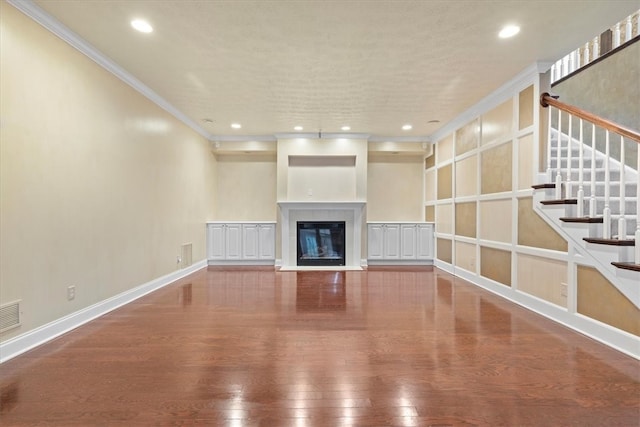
[508, 31]
[141, 25]
[407, 127]
[236, 125]
[346, 128]
[298, 128]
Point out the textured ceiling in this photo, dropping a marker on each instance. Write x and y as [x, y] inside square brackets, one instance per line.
[372, 65]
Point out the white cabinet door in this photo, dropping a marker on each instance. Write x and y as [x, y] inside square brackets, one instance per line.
[425, 241]
[391, 241]
[216, 241]
[233, 241]
[408, 241]
[267, 241]
[375, 241]
[250, 241]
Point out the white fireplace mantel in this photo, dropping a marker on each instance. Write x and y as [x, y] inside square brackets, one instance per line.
[350, 212]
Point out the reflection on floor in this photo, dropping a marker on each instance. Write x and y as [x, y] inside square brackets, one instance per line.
[249, 347]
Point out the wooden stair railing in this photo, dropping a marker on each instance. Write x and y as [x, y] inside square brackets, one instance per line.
[564, 180]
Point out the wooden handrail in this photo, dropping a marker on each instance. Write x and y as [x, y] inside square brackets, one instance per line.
[546, 99]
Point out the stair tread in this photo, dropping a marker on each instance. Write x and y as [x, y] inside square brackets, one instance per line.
[627, 266]
[560, 202]
[542, 186]
[584, 219]
[612, 242]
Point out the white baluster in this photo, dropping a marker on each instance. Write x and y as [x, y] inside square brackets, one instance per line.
[581, 175]
[628, 29]
[622, 220]
[549, 171]
[587, 54]
[565, 66]
[559, 158]
[606, 213]
[568, 193]
[592, 196]
[616, 36]
[572, 61]
[637, 236]
[596, 47]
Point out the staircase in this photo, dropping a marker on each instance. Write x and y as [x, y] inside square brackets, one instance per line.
[590, 198]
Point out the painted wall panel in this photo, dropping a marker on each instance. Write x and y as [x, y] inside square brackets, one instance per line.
[467, 177]
[444, 247]
[497, 123]
[495, 264]
[430, 185]
[466, 219]
[497, 167]
[600, 300]
[542, 277]
[495, 220]
[445, 182]
[467, 137]
[525, 108]
[526, 168]
[444, 221]
[533, 231]
[444, 149]
[466, 256]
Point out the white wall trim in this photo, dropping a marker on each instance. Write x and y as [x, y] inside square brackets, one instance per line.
[29, 340]
[503, 93]
[610, 336]
[63, 32]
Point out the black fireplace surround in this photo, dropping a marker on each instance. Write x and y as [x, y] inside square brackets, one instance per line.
[321, 243]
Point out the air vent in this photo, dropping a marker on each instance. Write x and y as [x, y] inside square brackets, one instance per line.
[9, 316]
[185, 255]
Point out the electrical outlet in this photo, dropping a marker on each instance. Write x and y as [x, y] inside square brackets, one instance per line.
[178, 260]
[563, 289]
[71, 293]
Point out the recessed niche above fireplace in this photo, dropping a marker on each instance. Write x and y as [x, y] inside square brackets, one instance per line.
[320, 243]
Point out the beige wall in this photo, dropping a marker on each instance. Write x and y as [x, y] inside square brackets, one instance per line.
[599, 299]
[246, 188]
[330, 179]
[543, 278]
[100, 187]
[394, 190]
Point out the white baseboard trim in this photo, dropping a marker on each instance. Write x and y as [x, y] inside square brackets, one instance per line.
[391, 262]
[29, 340]
[240, 263]
[617, 339]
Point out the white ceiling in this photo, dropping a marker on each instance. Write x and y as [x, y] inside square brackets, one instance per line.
[372, 65]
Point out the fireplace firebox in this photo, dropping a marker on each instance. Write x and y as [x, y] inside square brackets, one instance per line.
[321, 243]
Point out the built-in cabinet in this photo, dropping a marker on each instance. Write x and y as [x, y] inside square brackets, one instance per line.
[400, 243]
[248, 243]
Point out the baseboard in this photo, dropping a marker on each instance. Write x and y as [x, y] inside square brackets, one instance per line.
[239, 263]
[418, 262]
[29, 340]
[617, 339]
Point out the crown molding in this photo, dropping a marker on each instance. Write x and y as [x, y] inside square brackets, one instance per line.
[500, 95]
[417, 138]
[242, 138]
[63, 32]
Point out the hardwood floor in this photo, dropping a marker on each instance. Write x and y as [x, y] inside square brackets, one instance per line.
[405, 347]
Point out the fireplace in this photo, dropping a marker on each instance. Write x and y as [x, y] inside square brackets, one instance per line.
[350, 213]
[320, 243]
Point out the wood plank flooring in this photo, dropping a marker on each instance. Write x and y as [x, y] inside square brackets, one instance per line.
[401, 347]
